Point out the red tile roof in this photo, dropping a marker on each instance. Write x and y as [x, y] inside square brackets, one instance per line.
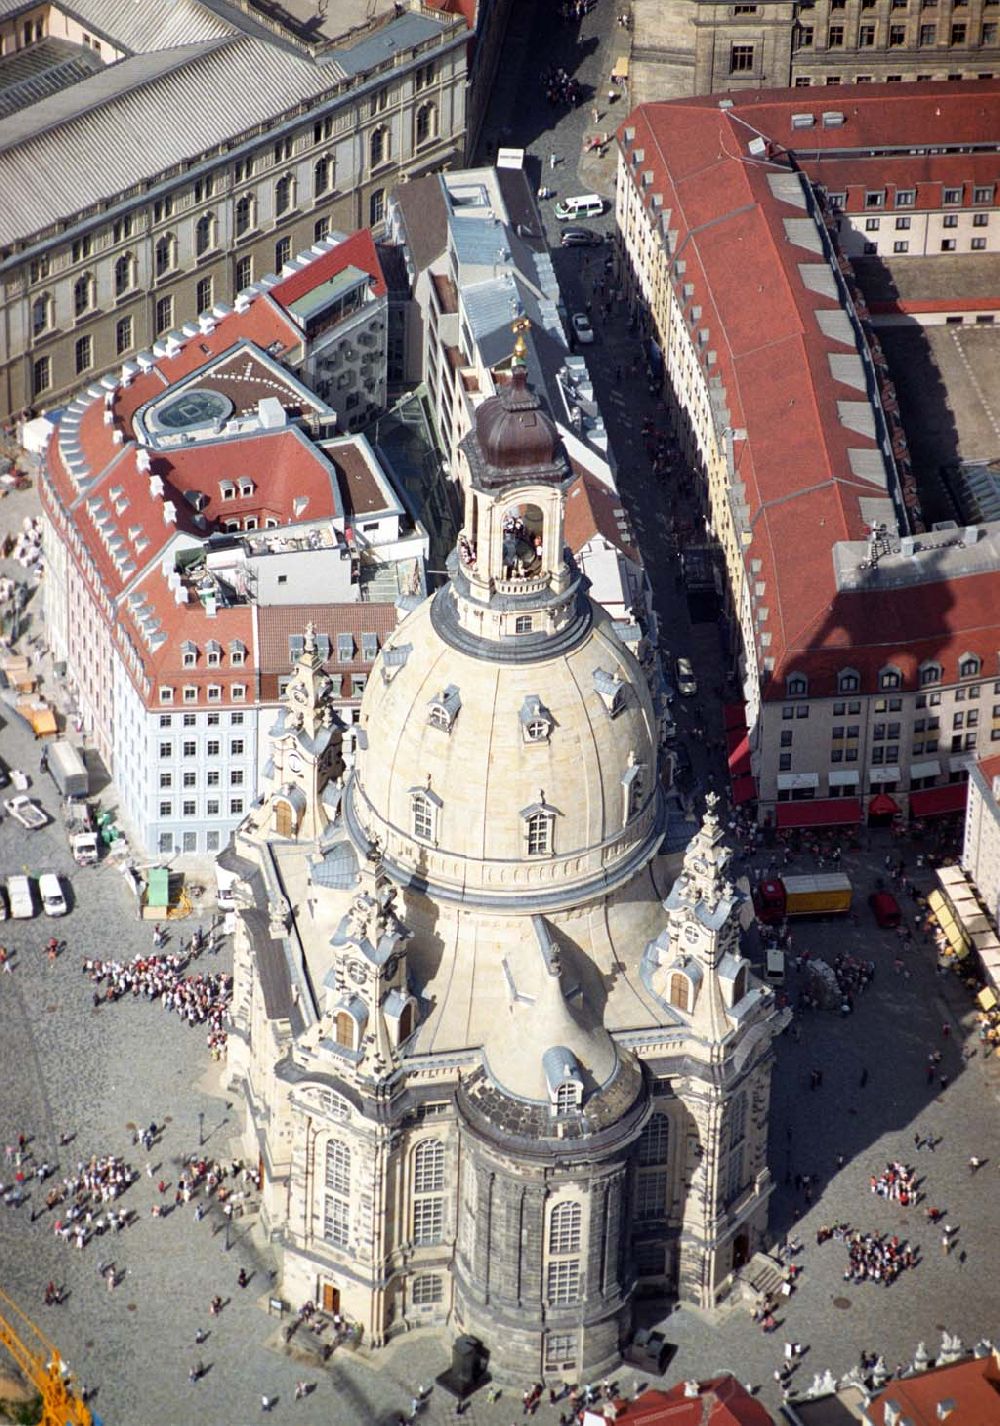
[591, 509]
[721, 1401]
[356, 251]
[743, 245]
[973, 1388]
[278, 623]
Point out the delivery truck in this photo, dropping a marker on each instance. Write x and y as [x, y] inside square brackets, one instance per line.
[824, 894]
[67, 768]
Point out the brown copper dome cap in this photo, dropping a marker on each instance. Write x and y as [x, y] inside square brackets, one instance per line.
[512, 430]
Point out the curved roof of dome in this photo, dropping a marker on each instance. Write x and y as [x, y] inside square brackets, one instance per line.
[485, 777]
[512, 430]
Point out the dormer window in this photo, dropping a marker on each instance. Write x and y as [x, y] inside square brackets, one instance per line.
[796, 685]
[166, 695]
[565, 1084]
[930, 673]
[190, 694]
[237, 653]
[345, 648]
[848, 681]
[424, 811]
[213, 653]
[443, 710]
[611, 690]
[227, 490]
[247, 486]
[536, 720]
[634, 789]
[189, 654]
[568, 1097]
[538, 821]
[969, 666]
[890, 677]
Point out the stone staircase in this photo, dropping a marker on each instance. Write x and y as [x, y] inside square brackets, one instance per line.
[761, 1277]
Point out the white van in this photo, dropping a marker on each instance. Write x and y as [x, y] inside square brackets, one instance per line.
[774, 966]
[51, 892]
[21, 897]
[584, 205]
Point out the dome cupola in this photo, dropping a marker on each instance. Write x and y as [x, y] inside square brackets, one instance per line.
[515, 438]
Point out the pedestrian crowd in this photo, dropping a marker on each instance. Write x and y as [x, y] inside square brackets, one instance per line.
[88, 1196]
[560, 87]
[897, 1182]
[201, 999]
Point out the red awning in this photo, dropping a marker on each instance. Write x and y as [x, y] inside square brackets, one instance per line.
[734, 715]
[882, 805]
[738, 748]
[821, 812]
[936, 801]
[744, 789]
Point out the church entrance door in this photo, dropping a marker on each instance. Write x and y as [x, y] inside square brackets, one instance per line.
[741, 1251]
[283, 819]
[331, 1298]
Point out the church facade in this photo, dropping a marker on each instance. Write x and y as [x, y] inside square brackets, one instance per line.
[502, 1070]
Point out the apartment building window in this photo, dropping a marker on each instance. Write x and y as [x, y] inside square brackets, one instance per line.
[165, 254]
[124, 274]
[166, 750]
[163, 208]
[282, 252]
[423, 77]
[123, 229]
[323, 129]
[872, 225]
[784, 762]
[786, 738]
[903, 225]
[378, 146]
[322, 175]
[189, 780]
[166, 809]
[244, 214]
[958, 33]
[740, 59]
[82, 248]
[980, 220]
[38, 269]
[166, 781]
[83, 294]
[835, 40]
[376, 207]
[204, 234]
[123, 335]
[164, 314]
[41, 375]
[905, 197]
[236, 749]
[897, 35]
[84, 354]
[236, 806]
[982, 195]
[41, 314]
[902, 247]
[204, 188]
[244, 169]
[950, 220]
[978, 245]
[204, 294]
[948, 245]
[321, 229]
[284, 194]
[426, 125]
[928, 36]
[189, 748]
[866, 36]
[804, 38]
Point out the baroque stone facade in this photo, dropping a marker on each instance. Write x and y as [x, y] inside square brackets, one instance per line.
[498, 1073]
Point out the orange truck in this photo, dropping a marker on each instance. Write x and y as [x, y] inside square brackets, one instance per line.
[824, 894]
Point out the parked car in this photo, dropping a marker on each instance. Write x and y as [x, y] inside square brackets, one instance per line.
[28, 813]
[686, 681]
[21, 896]
[580, 238]
[582, 329]
[885, 909]
[52, 894]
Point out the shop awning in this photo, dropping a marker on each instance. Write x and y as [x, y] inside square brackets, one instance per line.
[931, 768]
[986, 999]
[734, 715]
[620, 70]
[744, 789]
[822, 812]
[843, 777]
[882, 805]
[738, 750]
[794, 781]
[942, 914]
[938, 801]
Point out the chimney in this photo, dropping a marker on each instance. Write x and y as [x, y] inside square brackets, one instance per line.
[691, 1388]
[945, 1408]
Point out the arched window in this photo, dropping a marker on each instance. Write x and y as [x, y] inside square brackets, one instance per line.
[376, 208]
[204, 234]
[428, 1192]
[848, 681]
[428, 1166]
[165, 254]
[426, 125]
[337, 1195]
[41, 314]
[423, 814]
[284, 194]
[538, 834]
[406, 1022]
[83, 294]
[438, 718]
[741, 984]
[244, 214]
[378, 146]
[567, 1096]
[680, 992]
[654, 1141]
[565, 1224]
[344, 1030]
[124, 274]
[322, 176]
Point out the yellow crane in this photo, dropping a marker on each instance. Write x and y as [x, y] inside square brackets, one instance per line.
[41, 1365]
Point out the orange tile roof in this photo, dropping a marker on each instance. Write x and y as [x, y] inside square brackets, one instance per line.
[356, 251]
[591, 509]
[721, 1401]
[754, 264]
[972, 1386]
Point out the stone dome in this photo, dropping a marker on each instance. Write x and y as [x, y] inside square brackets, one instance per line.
[513, 432]
[492, 747]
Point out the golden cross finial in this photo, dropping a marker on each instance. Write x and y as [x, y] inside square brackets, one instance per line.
[519, 326]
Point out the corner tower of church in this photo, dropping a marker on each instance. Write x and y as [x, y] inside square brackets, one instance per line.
[500, 1072]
